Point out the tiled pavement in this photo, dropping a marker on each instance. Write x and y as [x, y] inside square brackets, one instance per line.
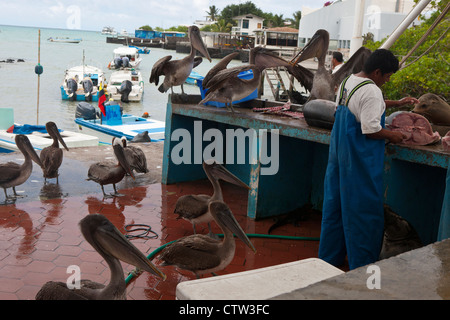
[40, 239]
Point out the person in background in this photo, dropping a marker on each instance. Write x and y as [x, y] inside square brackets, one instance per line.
[337, 61]
[352, 214]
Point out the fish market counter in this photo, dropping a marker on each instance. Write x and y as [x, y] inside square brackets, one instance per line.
[283, 160]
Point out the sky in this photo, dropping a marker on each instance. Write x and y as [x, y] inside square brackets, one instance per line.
[128, 14]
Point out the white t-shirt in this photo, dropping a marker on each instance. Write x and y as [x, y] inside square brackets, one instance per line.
[337, 67]
[367, 104]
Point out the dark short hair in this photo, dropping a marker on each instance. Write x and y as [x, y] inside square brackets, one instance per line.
[381, 59]
[338, 56]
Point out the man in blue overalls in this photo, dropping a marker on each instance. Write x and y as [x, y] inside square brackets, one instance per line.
[352, 215]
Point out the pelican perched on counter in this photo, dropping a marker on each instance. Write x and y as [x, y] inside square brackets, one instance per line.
[322, 83]
[194, 208]
[108, 172]
[112, 245]
[13, 174]
[135, 157]
[52, 156]
[202, 254]
[225, 86]
[176, 72]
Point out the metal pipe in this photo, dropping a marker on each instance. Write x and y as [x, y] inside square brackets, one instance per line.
[357, 40]
[405, 23]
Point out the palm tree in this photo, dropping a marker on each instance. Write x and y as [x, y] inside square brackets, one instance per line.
[213, 13]
[297, 17]
[222, 26]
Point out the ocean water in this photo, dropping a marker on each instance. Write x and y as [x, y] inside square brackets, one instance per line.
[19, 83]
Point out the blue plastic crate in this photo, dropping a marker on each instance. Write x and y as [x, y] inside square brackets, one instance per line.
[247, 75]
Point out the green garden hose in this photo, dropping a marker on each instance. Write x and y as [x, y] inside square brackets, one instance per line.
[136, 272]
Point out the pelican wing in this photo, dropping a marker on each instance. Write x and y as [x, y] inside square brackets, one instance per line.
[353, 65]
[303, 75]
[58, 291]
[9, 171]
[51, 159]
[217, 81]
[195, 252]
[100, 171]
[192, 206]
[158, 69]
[221, 65]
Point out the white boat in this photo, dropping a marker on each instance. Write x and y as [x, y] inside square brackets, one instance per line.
[126, 85]
[64, 40]
[109, 31]
[121, 125]
[132, 54]
[40, 139]
[82, 83]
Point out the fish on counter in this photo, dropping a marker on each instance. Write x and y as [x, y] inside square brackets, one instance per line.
[416, 128]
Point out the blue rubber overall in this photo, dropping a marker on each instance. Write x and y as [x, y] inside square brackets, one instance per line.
[352, 215]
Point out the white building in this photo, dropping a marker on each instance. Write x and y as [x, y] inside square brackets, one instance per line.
[247, 25]
[381, 17]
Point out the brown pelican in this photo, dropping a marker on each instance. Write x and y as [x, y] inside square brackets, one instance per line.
[52, 156]
[135, 157]
[177, 71]
[13, 174]
[221, 65]
[322, 83]
[194, 208]
[112, 245]
[202, 254]
[224, 85]
[110, 173]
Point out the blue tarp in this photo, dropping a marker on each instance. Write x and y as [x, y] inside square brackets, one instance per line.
[28, 128]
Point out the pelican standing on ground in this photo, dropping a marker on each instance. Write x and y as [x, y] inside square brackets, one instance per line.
[108, 172]
[202, 254]
[13, 174]
[225, 86]
[194, 208]
[176, 72]
[135, 157]
[322, 83]
[52, 156]
[112, 245]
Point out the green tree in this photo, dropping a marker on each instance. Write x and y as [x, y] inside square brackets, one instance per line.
[221, 26]
[235, 10]
[431, 72]
[213, 13]
[146, 28]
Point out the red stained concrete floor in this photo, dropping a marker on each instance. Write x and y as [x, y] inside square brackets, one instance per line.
[40, 239]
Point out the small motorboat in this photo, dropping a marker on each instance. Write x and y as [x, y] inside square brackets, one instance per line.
[64, 40]
[116, 124]
[125, 57]
[39, 138]
[126, 86]
[82, 83]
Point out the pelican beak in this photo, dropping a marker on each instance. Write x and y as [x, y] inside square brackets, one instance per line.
[114, 243]
[24, 142]
[55, 132]
[120, 155]
[220, 172]
[223, 213]
[197, 41]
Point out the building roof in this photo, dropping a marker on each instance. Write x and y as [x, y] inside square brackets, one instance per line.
[246, 15]
[282, 30]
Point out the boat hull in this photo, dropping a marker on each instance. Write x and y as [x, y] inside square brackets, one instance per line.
[129, 128]
[40, 140]
[80, 95]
